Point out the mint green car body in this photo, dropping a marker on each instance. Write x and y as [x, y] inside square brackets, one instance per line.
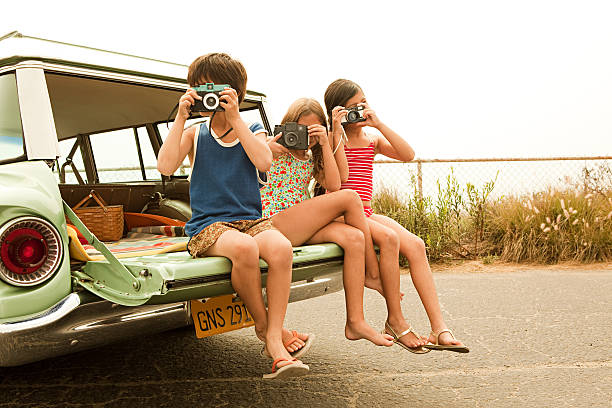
[45, 92]
[29, 188]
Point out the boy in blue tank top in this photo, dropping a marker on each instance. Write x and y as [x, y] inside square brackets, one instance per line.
[225, 155]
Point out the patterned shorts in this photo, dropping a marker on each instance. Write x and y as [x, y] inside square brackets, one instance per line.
[368, 211]
[200, 243]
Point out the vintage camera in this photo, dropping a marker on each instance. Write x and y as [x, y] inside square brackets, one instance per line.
[210, 94]
[294, 136]
[354, 115]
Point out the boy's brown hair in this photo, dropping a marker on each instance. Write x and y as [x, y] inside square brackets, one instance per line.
[305, 106]
[338, 93]
[219, 68]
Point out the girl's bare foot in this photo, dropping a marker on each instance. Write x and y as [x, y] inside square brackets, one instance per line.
[410, 339]
[362, 330]
[376, 284]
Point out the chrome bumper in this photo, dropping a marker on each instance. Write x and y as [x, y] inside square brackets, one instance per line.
[72, 325]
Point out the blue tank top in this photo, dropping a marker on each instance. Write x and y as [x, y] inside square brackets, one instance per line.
[224, 185]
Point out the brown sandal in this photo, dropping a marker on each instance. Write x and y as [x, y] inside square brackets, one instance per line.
[448, 347]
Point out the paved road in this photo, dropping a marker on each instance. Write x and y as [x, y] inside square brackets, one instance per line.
[538, 338]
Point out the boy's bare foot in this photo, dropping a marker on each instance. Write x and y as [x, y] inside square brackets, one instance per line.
[260, 332]
[295, 345]
[376, 284]
[276, 349]
[362, 330]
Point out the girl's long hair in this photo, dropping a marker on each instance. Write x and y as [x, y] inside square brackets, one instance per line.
[338, 93]
[306, 106]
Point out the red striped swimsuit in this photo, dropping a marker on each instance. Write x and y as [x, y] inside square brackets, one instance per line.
[361, 164]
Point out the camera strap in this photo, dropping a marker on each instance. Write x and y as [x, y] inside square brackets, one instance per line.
[210, 127]
[343, 138]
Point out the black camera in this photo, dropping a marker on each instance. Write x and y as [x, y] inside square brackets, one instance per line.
[294, 136]
[210, 94]
[354, 115]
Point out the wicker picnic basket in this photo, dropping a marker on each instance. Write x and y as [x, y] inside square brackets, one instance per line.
[104, 221]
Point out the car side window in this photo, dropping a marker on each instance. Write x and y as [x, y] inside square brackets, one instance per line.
[70, 168]
[11, 133]
[124, 155]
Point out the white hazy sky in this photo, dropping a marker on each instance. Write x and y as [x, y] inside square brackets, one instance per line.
[454, 78]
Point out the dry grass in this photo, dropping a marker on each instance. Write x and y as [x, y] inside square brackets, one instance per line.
[552, 227]
[548, 227]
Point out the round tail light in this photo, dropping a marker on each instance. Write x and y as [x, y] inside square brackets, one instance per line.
[30, 251]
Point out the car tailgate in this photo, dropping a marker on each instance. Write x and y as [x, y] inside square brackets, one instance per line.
[176, 276]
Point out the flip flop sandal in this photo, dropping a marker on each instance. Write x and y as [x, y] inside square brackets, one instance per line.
[448, 347]
[295, 368]
[416, 350]
[296, 354]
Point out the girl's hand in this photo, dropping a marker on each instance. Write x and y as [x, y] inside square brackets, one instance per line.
[277, 148]
[338, 113]
[318, 134]
[185, 103]
[229, 102]
[370, 116]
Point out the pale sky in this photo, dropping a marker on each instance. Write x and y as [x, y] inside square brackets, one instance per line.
[457, 79]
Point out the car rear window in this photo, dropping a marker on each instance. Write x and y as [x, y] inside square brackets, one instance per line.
[11, 133]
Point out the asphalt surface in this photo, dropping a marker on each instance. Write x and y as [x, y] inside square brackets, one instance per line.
[537, 338]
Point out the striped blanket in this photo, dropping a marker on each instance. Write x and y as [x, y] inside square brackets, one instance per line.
[139, 242]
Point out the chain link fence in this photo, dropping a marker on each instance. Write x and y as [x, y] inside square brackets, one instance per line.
[512, 176]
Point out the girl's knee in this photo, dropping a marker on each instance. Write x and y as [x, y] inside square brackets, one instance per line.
[352, 240]
[416, 245]
[388, 238]
[278, 251]
[351, 198]
[350, 195]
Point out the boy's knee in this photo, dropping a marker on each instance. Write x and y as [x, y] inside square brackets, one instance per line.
[244, 251]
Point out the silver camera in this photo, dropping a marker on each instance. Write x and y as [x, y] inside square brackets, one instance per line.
[354, 115]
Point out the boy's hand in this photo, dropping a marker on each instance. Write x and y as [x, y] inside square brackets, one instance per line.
[318, 134]
[184, 108]
[276, 148]
[370, 116]
[229, 102]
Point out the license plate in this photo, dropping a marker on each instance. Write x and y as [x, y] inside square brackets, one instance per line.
[219, 315]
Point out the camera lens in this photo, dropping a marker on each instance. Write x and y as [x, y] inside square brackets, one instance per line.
[352, 116]
[291, 139]
[211, 101]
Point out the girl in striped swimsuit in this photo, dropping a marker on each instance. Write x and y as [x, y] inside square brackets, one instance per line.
[390, 236]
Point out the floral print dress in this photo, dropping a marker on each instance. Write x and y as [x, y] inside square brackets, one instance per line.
[287, 185]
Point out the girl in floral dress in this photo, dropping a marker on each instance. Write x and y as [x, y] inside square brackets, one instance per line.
[311, 221]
